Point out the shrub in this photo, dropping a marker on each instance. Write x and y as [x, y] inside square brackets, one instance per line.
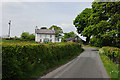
[23, 61]
[113, 53]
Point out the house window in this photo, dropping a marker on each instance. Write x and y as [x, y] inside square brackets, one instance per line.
[46, 40]
[40, 40]
[50, 36]
[50, 40]
[45, 35]
[40, 35]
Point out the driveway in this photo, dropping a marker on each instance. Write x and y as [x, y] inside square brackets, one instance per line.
[87, 65]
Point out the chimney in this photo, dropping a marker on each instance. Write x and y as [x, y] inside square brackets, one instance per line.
[36, 29]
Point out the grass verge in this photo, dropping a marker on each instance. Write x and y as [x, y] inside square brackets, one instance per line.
[90, 46]
[111, 68]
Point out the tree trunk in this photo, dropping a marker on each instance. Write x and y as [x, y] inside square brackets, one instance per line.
[87, 40]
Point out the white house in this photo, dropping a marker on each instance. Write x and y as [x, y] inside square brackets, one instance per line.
[44, 35]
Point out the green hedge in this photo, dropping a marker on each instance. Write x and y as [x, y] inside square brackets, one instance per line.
[25, 61]
[113, 53]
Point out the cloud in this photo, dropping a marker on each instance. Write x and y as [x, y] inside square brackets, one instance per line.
[25, 16]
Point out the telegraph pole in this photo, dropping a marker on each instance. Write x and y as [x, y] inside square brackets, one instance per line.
[9, 23]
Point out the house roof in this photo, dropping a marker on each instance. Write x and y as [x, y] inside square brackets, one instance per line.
[68, 39]
[44, 31]
[72, 38]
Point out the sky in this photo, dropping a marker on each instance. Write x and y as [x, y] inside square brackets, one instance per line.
[25, 16]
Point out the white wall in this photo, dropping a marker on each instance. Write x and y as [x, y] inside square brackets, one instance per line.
[43, 36]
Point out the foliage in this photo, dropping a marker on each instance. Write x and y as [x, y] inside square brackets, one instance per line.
[58, 31]
[103, 24]
[43, 28]
[81, 22]
[68, 35]
[105, 27]
[113, 53]
[18, 40]
[111, 68]
[27, 36]
[31, 37]
[26, 60]
[16, 37]
[100, 41]
[63, 40]
[110, 57]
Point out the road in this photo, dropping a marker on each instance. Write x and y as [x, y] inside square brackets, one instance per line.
[87, 65]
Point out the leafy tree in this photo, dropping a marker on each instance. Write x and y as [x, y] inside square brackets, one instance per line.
[25, 35]
[81, 22]
[68, 35]
[118, 32]
[43, 28]
[58, 31]
[63, 40]
[31, 37]
[104, 22]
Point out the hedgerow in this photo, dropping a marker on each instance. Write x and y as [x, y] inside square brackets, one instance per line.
[113, 53]
[25, 61]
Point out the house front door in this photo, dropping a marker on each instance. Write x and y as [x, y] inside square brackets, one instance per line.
[46, 40]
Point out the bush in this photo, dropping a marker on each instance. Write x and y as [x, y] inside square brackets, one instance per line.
[113, 53]
[95, 42]
[25, 61]
[100, 42]
[64, 40]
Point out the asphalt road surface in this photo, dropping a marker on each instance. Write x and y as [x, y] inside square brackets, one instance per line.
[87, 65]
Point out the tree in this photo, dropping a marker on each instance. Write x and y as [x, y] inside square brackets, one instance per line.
[31, 37]
[104, 23]
[43, 28]
[63, 40]
[25, 35]
[68, 35]
[81, 22]
[58, 31]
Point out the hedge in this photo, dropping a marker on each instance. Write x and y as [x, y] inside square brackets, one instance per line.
[113, 53]
[25, 61]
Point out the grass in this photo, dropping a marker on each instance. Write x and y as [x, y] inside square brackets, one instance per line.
[90, 46]
[112, 69]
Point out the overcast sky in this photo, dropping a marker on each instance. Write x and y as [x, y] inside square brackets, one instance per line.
[26, 15]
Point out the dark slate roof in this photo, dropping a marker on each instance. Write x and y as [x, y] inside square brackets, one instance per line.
[68, 39]
[72, 38]
[44, 31]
